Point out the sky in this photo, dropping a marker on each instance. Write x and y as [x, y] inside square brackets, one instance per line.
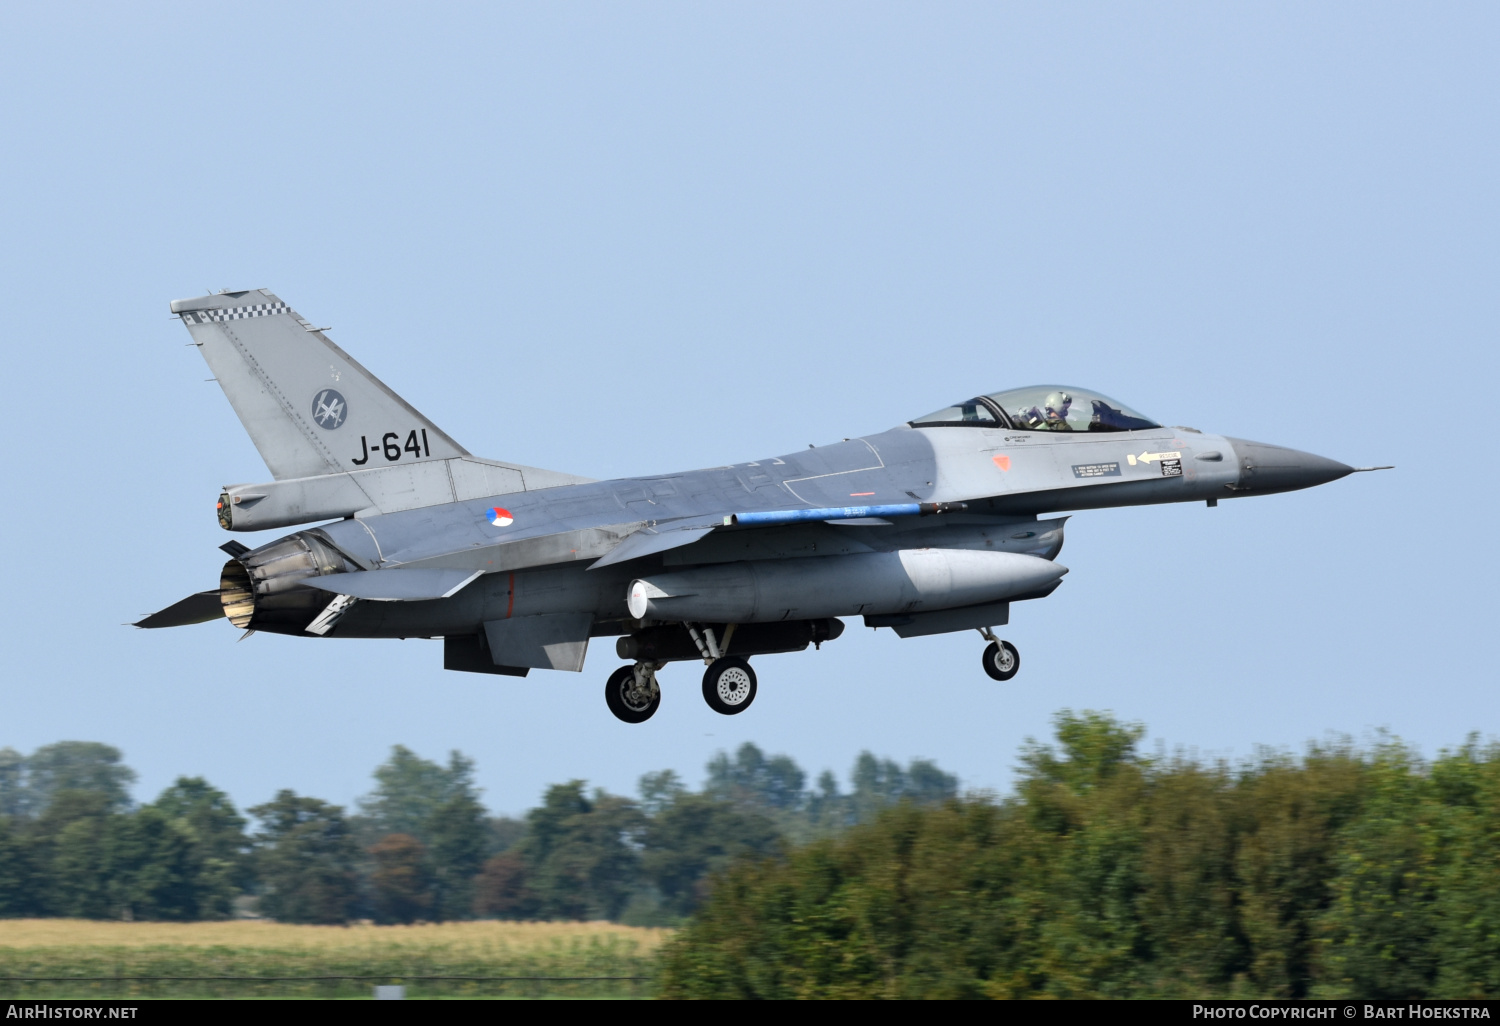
[619, 239]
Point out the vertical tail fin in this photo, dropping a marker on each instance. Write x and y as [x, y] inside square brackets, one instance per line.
[308, 406]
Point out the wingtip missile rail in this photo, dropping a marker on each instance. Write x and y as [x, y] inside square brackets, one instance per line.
[796, 516]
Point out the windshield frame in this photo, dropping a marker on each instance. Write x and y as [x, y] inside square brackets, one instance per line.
[1002, 420]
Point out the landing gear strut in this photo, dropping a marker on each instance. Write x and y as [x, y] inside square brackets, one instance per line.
[729, 685]
[632, 693]
[1001, 660]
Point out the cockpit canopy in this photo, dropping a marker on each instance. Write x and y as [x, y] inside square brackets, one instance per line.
[1039, 408]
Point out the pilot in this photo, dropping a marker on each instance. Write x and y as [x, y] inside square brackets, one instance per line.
[1053, 414]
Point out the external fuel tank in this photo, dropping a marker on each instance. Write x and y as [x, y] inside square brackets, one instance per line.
[874, 583]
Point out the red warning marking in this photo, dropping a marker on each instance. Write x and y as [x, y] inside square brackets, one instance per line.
[1003, 462]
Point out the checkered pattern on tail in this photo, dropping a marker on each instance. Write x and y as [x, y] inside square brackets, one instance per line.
[236, 313]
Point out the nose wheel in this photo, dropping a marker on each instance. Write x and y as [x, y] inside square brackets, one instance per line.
[729, 685]
[1001, 660]
[632, 692]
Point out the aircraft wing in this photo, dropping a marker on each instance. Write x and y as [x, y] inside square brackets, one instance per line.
[650, 541]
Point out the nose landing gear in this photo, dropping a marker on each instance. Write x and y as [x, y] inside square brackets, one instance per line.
[1001, 660]
[729, 685]
[632, 692]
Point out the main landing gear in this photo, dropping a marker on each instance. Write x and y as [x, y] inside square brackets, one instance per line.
[1001, 660]
[632, 692]
[729, 685]
[634, 695]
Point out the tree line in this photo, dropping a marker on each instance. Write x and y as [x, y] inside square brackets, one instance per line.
[419, 846]
[1348, 872]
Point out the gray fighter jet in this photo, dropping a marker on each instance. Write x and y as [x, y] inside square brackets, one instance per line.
[931, 527]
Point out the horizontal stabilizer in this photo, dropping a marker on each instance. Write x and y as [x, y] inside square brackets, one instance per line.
[650, 541]
[397, 584]
[199, 608]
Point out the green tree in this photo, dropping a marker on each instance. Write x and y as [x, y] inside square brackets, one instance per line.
[503, 833]
[458, 836]
[69, 841]
[220, 850]
[76, 766]
[1108, 874]
[944, 898]
[150, 868]
[403, 890]
[1291, 817]
[305, 856]
[1189, 897]
[879, 783]
[1466, 909]
[1082, 805]
[913, 904]
[926, 784]
[1379, 928]
[752, 778]
[502, 891]
[12, 783]
[1092, 937]
[21, 888]
[581, 854]
[659, 790]
[1093, 745]
[409, 788]
[694, 837]
[439, 806]
[83, 858]
[826, 809]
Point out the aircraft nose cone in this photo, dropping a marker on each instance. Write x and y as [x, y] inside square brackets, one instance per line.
[1273, 468]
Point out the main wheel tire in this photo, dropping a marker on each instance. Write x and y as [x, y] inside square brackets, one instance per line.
[1001, 660]
[729, 685]
[617, 695]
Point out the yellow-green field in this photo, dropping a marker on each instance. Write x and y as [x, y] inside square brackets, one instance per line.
[80, 958]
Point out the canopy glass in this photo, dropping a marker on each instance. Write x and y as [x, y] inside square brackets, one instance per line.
[1040, 408]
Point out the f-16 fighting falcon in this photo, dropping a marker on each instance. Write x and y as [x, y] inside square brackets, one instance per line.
[935, 526]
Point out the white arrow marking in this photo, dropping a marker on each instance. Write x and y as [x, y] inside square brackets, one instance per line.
[1152, 457]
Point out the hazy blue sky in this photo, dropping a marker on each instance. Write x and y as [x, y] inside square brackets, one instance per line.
[617, 239]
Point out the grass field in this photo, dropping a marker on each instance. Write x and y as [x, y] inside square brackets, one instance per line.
[79, 958]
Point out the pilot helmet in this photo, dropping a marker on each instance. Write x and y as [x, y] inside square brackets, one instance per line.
[1058, 403]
